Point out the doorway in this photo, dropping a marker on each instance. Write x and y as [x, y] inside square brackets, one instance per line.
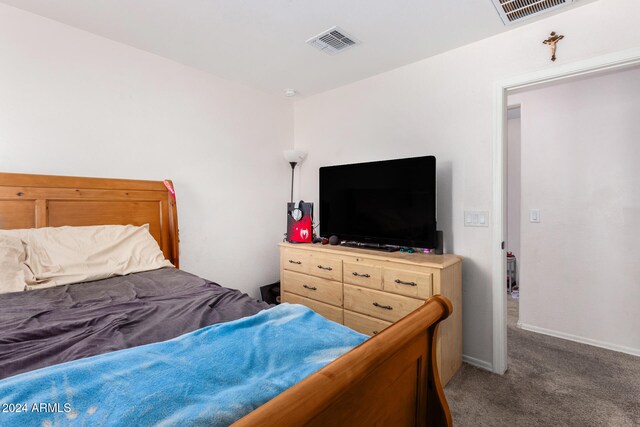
[514, 209]
[592, 67]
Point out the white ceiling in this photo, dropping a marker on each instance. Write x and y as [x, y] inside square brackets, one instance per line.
[261, 43]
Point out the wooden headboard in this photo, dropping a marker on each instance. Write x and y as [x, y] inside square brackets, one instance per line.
[34, 201]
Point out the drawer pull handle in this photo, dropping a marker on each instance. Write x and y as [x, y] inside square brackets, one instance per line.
[355, 273]
[406, 283]
[322, 267]
[386, 307]
[311, 288]
[375, 332]
[295, 262]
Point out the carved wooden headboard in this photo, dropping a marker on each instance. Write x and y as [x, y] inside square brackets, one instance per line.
[33, 201]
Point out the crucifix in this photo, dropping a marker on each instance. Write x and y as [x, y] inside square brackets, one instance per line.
[552, 40]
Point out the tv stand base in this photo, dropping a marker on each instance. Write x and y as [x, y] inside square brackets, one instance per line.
[374, 246]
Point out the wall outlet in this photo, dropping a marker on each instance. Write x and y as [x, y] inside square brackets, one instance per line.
[476, 218]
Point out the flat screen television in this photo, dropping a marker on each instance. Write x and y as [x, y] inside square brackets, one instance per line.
[390, 202]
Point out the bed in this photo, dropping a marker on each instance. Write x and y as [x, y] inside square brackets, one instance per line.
[390, 379]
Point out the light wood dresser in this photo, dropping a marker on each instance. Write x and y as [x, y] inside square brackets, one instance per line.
[369, 290]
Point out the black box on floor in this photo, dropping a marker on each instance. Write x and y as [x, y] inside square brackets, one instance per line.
[271, 293]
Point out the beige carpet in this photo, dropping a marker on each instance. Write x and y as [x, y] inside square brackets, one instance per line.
[550, 382]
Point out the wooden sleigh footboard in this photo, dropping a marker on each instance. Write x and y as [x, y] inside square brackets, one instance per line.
[389, 380]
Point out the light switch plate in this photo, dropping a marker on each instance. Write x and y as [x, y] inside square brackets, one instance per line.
[534, 215]
[476, 218]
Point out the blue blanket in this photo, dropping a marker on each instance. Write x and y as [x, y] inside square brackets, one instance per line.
[212, 376]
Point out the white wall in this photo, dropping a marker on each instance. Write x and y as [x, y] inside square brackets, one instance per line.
[72, 103]
[443, 106]
[513, 187]
[580, 156]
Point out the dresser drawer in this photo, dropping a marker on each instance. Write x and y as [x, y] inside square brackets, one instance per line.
[378, 304]
[363, 275]
[411, 283]
[326, 266]
[312, 287]
[364, 324]
[296, 260]
[328, 311]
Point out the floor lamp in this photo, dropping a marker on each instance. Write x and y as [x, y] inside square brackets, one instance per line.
[294, 157]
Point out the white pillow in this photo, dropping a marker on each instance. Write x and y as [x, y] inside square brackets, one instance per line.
[63, 255]
[14, 272]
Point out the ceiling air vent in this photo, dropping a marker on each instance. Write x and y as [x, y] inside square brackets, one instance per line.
[333, 41]
[512, 11]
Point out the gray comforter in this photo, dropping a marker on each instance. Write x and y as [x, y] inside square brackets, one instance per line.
[49, 326]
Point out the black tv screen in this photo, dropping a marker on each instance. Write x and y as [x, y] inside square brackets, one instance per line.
[389, 202]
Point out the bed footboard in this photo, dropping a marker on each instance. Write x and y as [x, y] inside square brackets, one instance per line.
[389, 380]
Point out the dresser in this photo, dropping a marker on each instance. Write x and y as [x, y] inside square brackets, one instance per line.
[368, 290]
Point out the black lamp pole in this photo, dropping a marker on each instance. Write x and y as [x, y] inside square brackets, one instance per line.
[293, 166]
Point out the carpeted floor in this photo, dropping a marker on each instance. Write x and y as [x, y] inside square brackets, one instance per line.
[550, 382]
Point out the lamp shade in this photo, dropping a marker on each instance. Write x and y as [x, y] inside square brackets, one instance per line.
[294, 156]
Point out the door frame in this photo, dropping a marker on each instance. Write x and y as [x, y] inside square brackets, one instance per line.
[599, 64]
